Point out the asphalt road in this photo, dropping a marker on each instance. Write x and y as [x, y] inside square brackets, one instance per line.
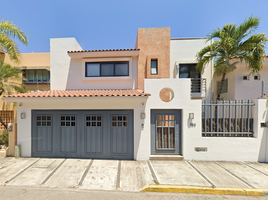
[32, 193]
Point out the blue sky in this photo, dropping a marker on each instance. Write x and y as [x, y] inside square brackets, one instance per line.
[109, 24]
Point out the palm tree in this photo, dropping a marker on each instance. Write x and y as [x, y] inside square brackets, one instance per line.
[8, 32]
[10, 82]
[234, 41]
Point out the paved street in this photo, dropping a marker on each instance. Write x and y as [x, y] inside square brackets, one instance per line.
[33, 193]
[115, 175]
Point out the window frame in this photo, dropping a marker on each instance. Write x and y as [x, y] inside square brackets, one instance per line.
[25, 74]
[154, 59]
[108, 62]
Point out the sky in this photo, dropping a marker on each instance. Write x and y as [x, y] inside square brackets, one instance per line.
[113, 24]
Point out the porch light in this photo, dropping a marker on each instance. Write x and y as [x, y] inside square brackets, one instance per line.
[142, 115]
[23, 115]
[191, 115]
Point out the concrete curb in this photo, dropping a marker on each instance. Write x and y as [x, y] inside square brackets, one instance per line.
[203, 190]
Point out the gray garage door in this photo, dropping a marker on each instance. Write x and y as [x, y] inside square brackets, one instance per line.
[83, 134]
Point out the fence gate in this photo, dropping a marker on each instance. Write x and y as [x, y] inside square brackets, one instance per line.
[227, 118]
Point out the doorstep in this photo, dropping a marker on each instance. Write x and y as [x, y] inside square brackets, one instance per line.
[166, 157]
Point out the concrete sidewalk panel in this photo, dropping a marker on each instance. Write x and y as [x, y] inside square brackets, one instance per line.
[102, 175]
[12, 167]
[263, 167]
[218, 176]
[37, 173]
[135, 175]
[249, 175]
[69, 174]
[177, 173]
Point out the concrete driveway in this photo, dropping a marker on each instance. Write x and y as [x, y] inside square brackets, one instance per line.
[129, 175]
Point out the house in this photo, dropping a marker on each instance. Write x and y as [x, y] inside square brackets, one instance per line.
[36, 72]
[140, 103]
[241, 84]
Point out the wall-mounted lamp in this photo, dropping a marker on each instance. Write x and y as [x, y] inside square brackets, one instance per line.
[23, 115]
[142, 115]
[191, 115]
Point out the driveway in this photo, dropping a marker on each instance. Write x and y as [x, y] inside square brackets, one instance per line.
[129, 175]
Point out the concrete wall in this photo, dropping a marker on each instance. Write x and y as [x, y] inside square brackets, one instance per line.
[154, 43]
[244, 89]
[69, 73]
[183, 51]
[60, 61]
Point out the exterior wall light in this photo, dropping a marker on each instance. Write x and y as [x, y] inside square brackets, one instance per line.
[142, 115]
[191, 115]
[23, 115]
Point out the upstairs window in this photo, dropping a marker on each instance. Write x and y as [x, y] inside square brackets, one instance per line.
[154, 70]
[106, 69]
[188, 71]
[36, 76]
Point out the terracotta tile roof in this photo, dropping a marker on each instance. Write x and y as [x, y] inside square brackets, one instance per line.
[103, 50]
[82, 93]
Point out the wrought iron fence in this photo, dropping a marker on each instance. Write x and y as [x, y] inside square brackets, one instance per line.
[227, 118]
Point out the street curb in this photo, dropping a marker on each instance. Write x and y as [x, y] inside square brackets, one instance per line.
[203, 190]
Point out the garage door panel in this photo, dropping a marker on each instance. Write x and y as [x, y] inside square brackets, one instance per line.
[44, 139]
[68, 134]
[120, 135]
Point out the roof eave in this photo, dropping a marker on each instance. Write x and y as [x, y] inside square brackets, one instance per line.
[103, 54]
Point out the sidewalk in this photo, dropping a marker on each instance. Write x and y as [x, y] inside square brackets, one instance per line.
[114, 175]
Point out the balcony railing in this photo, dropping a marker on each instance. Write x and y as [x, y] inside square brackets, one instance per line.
[198, 87]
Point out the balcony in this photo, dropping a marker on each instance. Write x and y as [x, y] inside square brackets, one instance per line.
[198, 87]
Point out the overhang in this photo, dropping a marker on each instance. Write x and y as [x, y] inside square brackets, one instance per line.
[103, 53]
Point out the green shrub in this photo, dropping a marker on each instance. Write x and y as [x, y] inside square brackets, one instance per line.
[4, 139]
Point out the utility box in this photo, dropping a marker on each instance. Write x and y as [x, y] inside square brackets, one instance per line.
[17, 151]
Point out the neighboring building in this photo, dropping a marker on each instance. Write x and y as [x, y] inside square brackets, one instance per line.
[36, 73]
[241, 84]
[141, 103]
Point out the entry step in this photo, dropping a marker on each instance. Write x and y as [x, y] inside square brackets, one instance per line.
[166, 157]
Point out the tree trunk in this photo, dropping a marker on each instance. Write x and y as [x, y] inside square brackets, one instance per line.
[219, 94]
[221, 86]
[1, 121]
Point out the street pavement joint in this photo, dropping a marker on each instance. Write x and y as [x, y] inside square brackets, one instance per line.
[23, 171]
[235, 176]
[201, 174]
[254, 168]
[53, 172]
[152, 172]
[118, 175]
[85, 173]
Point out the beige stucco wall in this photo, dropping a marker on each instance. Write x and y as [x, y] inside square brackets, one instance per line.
[154, 43]
[240, 89]
[30, 59]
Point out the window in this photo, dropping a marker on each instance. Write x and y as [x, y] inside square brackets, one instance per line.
[93, 120]
[154, 69]
[245, 78]
[96, 69]
[257, 77]
[67, 120]
[119, 120]
[188, 71]
[225, 86]
[43, 120]
[36, 75]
